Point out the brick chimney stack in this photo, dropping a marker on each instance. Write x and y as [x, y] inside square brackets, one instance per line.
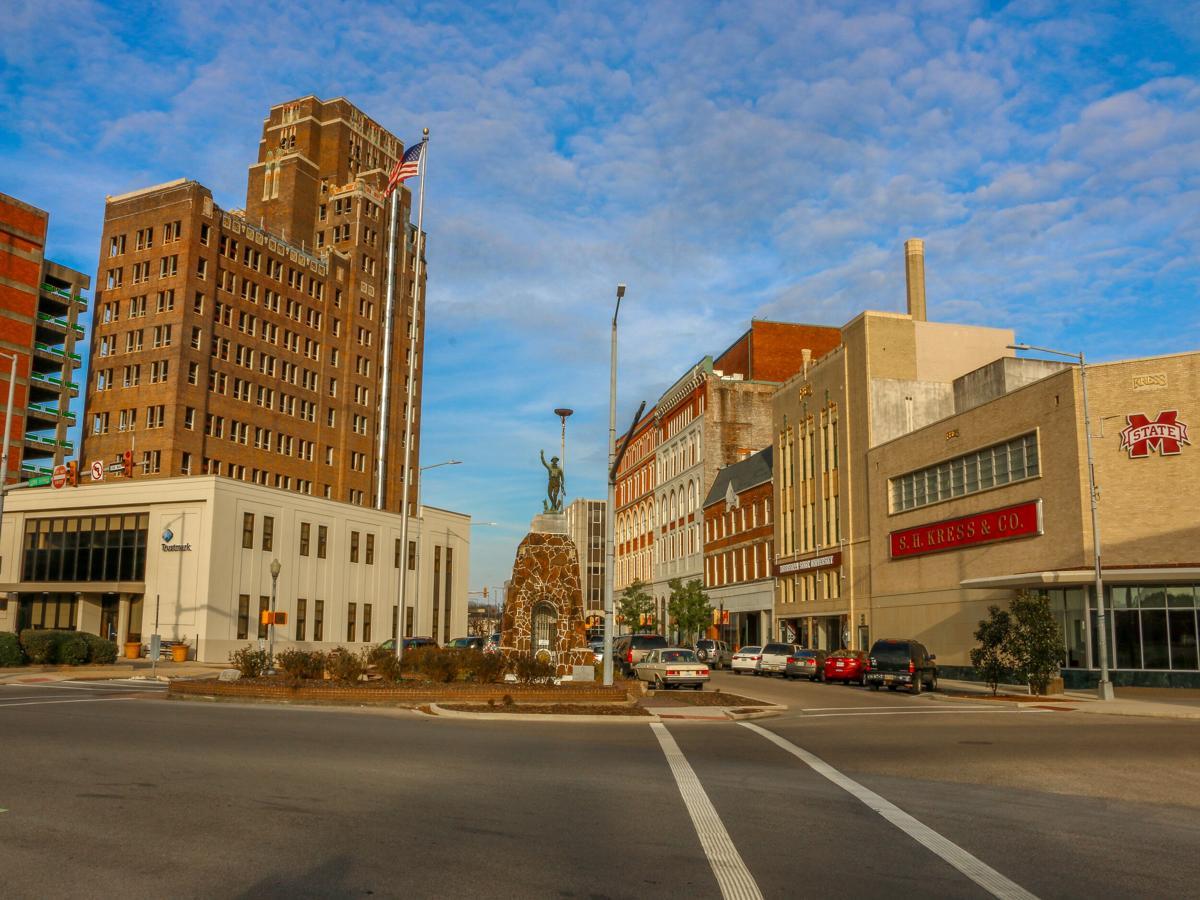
[914, 270]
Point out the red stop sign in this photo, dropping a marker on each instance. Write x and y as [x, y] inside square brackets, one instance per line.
[59, 478]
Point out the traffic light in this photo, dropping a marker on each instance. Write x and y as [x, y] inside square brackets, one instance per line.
[280, 618]
[73, 473]
[485, 593]
[716, 617]
[127, 462]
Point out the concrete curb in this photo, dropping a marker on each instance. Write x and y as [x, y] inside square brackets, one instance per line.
[1132, 708]
[436, 710]
[998, 704]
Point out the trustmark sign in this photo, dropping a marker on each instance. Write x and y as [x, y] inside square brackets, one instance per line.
[1165, 433]
[1006, 524]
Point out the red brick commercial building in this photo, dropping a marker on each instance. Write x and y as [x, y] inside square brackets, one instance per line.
[739, 549]
[248, 343]
[716, 414]
[41, 303]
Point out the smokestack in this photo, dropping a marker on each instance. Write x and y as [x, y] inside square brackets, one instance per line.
[914, 271]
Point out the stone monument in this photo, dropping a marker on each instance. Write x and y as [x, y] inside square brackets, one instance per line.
[543, 611]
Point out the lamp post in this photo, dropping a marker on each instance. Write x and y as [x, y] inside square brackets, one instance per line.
[401, 603]
[610, 518]
[1104, 690]
[563, 413]
[276, 568]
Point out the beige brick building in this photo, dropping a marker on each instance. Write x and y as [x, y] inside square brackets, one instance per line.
[248, 343]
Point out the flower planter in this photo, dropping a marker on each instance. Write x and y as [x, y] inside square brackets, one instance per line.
[133, 649]
[179, 653]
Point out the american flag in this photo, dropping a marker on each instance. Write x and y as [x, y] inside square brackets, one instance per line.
[406, 167]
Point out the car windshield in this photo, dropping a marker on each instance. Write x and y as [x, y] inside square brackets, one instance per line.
[749, 651]
[892, 653]
[677, 656]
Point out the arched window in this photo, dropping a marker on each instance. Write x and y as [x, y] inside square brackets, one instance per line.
[691, 496]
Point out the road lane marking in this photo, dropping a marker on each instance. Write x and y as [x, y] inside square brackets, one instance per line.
[971, 866]
[920, 712]
[92, 686]
[80, 700]
[732, 876]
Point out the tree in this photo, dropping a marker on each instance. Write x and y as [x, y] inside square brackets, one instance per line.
[689, 607]
[993, 658]
[635, 606]
[1036, 640]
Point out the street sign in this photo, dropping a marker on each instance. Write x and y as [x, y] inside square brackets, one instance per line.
[97, 471]
[59, 478]
[38, 481]
[117, 467]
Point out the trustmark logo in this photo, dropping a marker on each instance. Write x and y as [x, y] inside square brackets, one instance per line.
[1165, 433]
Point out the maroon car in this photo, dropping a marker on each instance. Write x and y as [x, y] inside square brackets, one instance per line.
[847, 665]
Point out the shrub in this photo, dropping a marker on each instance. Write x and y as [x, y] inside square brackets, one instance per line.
[299, 665]
[41, 645]
[100, 651]
[414, 659]
[73, 650]
[386, 666]
[993, 659]
[533, 670]
[11, 653]
[440, 665]
[1037, 640]
[345, 665]
[484, 668]
[250, 661]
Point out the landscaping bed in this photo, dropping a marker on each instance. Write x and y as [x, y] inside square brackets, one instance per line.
[1002, 698]
[560, 709]
[703, 698]
[408, 692]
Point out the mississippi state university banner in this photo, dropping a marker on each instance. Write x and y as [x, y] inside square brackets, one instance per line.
[1021, 520]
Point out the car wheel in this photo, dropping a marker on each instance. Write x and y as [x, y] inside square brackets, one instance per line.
[657, 685]
[891, 687]
[933, 682]
[874, 687]
[862, 681]
[697, 687]
[917, 684]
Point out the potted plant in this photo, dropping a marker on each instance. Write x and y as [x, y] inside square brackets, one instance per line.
[179, 650]
[133, 649]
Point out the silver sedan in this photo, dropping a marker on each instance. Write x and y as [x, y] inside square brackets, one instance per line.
[671, 667]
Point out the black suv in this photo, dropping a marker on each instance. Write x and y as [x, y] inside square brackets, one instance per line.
[902, 662]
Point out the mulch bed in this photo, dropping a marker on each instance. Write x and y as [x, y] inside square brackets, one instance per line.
[1004, 698]
[702, 698]
[408, 692]
[562, 709]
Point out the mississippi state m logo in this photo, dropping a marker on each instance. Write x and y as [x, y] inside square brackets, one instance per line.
[1166, 434]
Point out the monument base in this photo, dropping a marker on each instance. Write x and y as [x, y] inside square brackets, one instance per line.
[549, 523]
[543, 612]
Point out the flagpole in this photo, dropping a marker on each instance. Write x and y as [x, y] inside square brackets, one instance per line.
[385, 387]
[408, 414]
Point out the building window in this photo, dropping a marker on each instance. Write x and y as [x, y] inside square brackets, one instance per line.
[304, 538]
[370, 555]
[412, 556]
[301, 614]
[185, 464]
[319, 621]
[268, 534]
[1001, 464]
[243, 622]
[351, 621]
[449, 584]
[264, 605]
[367, 622]
[354, 546]
[437, 586]
[322, 540]
[247, 531]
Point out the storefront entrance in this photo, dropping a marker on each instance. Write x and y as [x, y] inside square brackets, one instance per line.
[110, 609]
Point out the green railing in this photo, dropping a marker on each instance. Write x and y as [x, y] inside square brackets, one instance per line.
[38, 439]
[49, 379]
[54, 320]
[58, 292]
[52, 411]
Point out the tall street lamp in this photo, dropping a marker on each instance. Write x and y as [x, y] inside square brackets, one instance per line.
[563, 413]
[610, 529]
[276, 568]
[402, 604]
[1104, 690]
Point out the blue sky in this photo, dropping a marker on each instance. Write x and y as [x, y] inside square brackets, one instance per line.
[726, 160]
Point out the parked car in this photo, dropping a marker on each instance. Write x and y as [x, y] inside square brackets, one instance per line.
[808, 664]
[745, 661]
[597, 647]
[467, 643]
[410, 643]
[847, 666]
[897, 663]
[715, 653]
[672, 667]
[628, 650]
[775, 657]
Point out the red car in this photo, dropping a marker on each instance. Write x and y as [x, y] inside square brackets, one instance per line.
[847, 665]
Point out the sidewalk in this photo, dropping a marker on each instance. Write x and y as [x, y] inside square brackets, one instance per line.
[1144, 702]
[126, 668]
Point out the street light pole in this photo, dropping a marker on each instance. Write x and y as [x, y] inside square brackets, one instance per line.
[402, 606]
[276, 568]
[562, 412]
[609, 513]
[1104, 690]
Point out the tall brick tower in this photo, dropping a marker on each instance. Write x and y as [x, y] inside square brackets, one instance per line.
[248, 343]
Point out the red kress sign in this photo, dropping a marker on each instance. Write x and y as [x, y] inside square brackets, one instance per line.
[1022, 520]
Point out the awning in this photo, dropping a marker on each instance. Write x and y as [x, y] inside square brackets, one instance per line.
[1078, 577]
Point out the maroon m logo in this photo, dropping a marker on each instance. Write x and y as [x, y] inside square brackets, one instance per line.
[1165, 433]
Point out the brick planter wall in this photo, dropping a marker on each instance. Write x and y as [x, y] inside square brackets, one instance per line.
[448, 693]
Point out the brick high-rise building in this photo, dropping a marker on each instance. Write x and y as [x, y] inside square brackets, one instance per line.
[40, 306]
[249, 343]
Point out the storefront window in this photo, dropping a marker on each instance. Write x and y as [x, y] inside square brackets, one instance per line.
[1153, 627]
[103, 548]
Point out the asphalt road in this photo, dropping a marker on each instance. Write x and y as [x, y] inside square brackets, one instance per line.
[109, 790]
